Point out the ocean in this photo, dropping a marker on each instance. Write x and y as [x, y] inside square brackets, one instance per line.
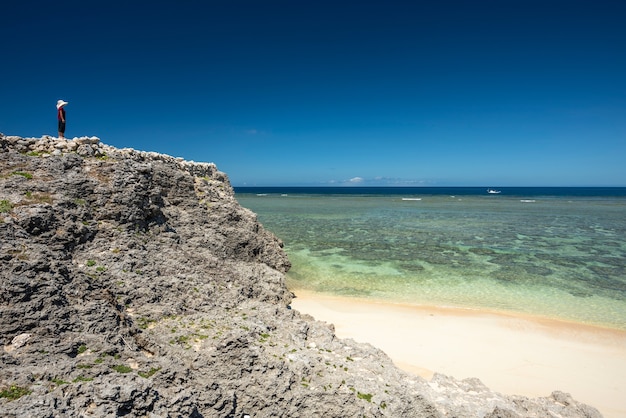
[548, 252]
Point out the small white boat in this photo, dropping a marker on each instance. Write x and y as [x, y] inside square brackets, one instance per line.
[493, 191]
[411, 198]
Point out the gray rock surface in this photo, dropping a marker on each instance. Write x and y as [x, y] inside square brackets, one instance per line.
[133, 284]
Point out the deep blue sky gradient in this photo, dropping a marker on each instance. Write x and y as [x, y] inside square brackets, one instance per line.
[436, 93]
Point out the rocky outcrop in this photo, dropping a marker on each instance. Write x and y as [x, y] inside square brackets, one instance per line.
[133, 284]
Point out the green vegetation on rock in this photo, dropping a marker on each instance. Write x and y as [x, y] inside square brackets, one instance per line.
[122, 368]
[14, 392]
[23, 174]
[5, 206]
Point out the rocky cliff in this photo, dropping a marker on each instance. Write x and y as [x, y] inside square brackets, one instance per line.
[133, 284]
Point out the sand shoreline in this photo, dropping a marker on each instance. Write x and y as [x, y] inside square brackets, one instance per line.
[512, 354]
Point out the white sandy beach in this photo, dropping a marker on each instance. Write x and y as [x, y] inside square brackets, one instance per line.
[509, 353]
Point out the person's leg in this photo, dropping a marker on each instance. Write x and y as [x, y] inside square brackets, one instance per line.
[61, 129]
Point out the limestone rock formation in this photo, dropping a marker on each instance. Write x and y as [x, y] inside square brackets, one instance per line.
[133, 284]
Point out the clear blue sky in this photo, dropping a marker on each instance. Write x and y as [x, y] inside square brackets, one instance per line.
[385, 92]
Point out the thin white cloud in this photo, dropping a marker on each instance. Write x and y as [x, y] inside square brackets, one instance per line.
[382, 181]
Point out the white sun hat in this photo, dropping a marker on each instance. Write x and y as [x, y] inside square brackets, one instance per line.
[61, 103]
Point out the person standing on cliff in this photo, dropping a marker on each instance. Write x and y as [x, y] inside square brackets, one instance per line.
[61, 117]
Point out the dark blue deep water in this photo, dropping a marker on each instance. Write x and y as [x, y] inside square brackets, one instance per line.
[590, 192]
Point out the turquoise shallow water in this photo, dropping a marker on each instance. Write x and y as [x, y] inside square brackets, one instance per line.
[555, 256]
